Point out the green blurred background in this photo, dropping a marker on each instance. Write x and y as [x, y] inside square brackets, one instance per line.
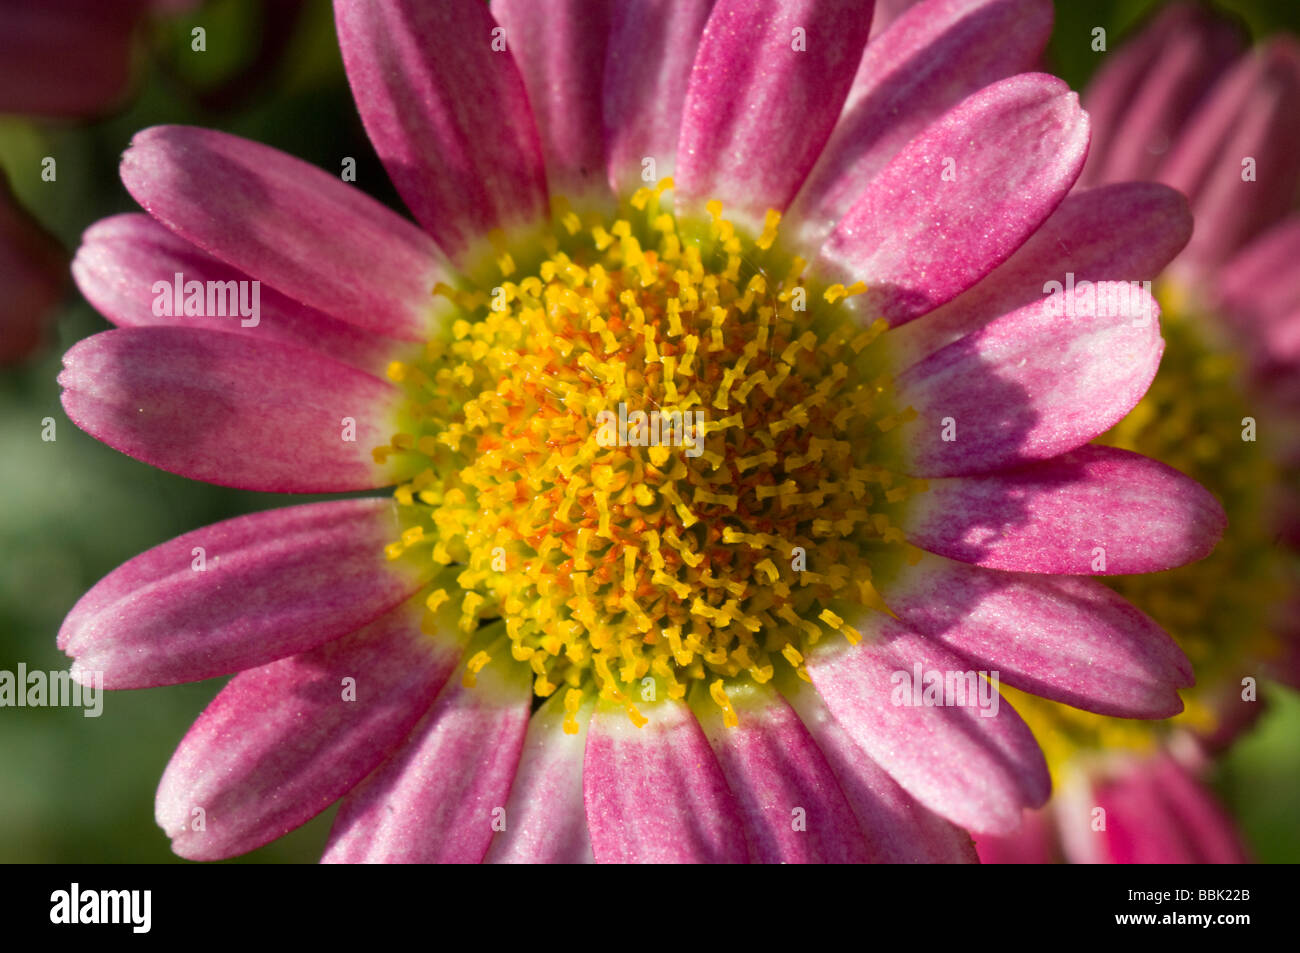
[77, 789]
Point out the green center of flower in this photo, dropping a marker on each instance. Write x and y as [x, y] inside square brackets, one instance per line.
[1197, 419]
[660, 458]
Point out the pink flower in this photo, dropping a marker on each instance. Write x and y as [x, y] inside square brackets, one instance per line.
[1185, 103]
[723, 622]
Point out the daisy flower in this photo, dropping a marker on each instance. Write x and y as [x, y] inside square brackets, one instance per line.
[1182, 103]
[733, 441]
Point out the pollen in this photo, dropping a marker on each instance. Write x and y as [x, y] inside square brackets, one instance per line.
[652, 462]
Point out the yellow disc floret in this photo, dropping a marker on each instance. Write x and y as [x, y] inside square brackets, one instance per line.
[660, 457]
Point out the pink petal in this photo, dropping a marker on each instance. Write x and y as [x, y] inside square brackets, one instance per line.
[1260, 290]
[1032, 384]
[917, 240]
[1123, 232]
[559, 46]
[898, 829]
[655, 794]
[547, 822]
[1034, 843]
[652, 46]
[975, 768]
[1065, 638]
[288, 223]
[1150, 84]
[1052, 517]
[791, 804]
[230, 410]
[1251, 113]
[282, 742]
[935, 55]
[438, 799]
[121, 258]
[274, 584]
[447, 114]
[759, 108]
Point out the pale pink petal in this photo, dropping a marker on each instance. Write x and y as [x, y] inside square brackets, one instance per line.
[122, 257]
[239, 594]
[767, 86]
[1032, 384]
[974, 765]
[290, 224]
[935, 55]
[444, 105]
[559, 46]
[791, 803]
[655, 794]
[231, 410]
[1096, 510]
[440, 797]
[1123, 232]
[899, 830]
[1069, 639]
[283, 742]
[959, 199]
[652, 46]
[547, 821]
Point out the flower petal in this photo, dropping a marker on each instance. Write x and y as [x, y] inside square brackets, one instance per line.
[793, 809]
[559, 47]
[1065, 638]
[976, 766]
[282, 742]
[933, 56]
[1053, 517]
[1123, 232]
[547, 822]
[652, 46]
[272, 584]
[655, 793]
[444, 104]
[767, 86]
[121, 258]
[899, 829]
[288, 223]
[230, 410]
[440, 797]
[959, 199]
[1034, 843]
[1032, 384]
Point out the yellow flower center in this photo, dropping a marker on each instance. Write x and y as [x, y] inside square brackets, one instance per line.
[1195, 418]
[659, 457]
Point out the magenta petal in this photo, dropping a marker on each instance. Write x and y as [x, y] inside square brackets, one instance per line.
[559, 46]
[547, 821]
[1034, 843]
[447, 113]
[934, 56]
[1123, 232]
[652, 46]
[230, 410]
[1032, 384]
[1251, 114]
[899, 830]
[759, 107]
[283, 742]
[1055, 516]
[917, 240]
[1069, 639]
[272, 584]
[439, 798]
[791, 804]
[655, 794]
[975, 767]
[121, 257]
[287, 223]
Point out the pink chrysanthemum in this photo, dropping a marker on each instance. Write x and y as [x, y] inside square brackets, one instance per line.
[1183, 103]
[757, 207]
